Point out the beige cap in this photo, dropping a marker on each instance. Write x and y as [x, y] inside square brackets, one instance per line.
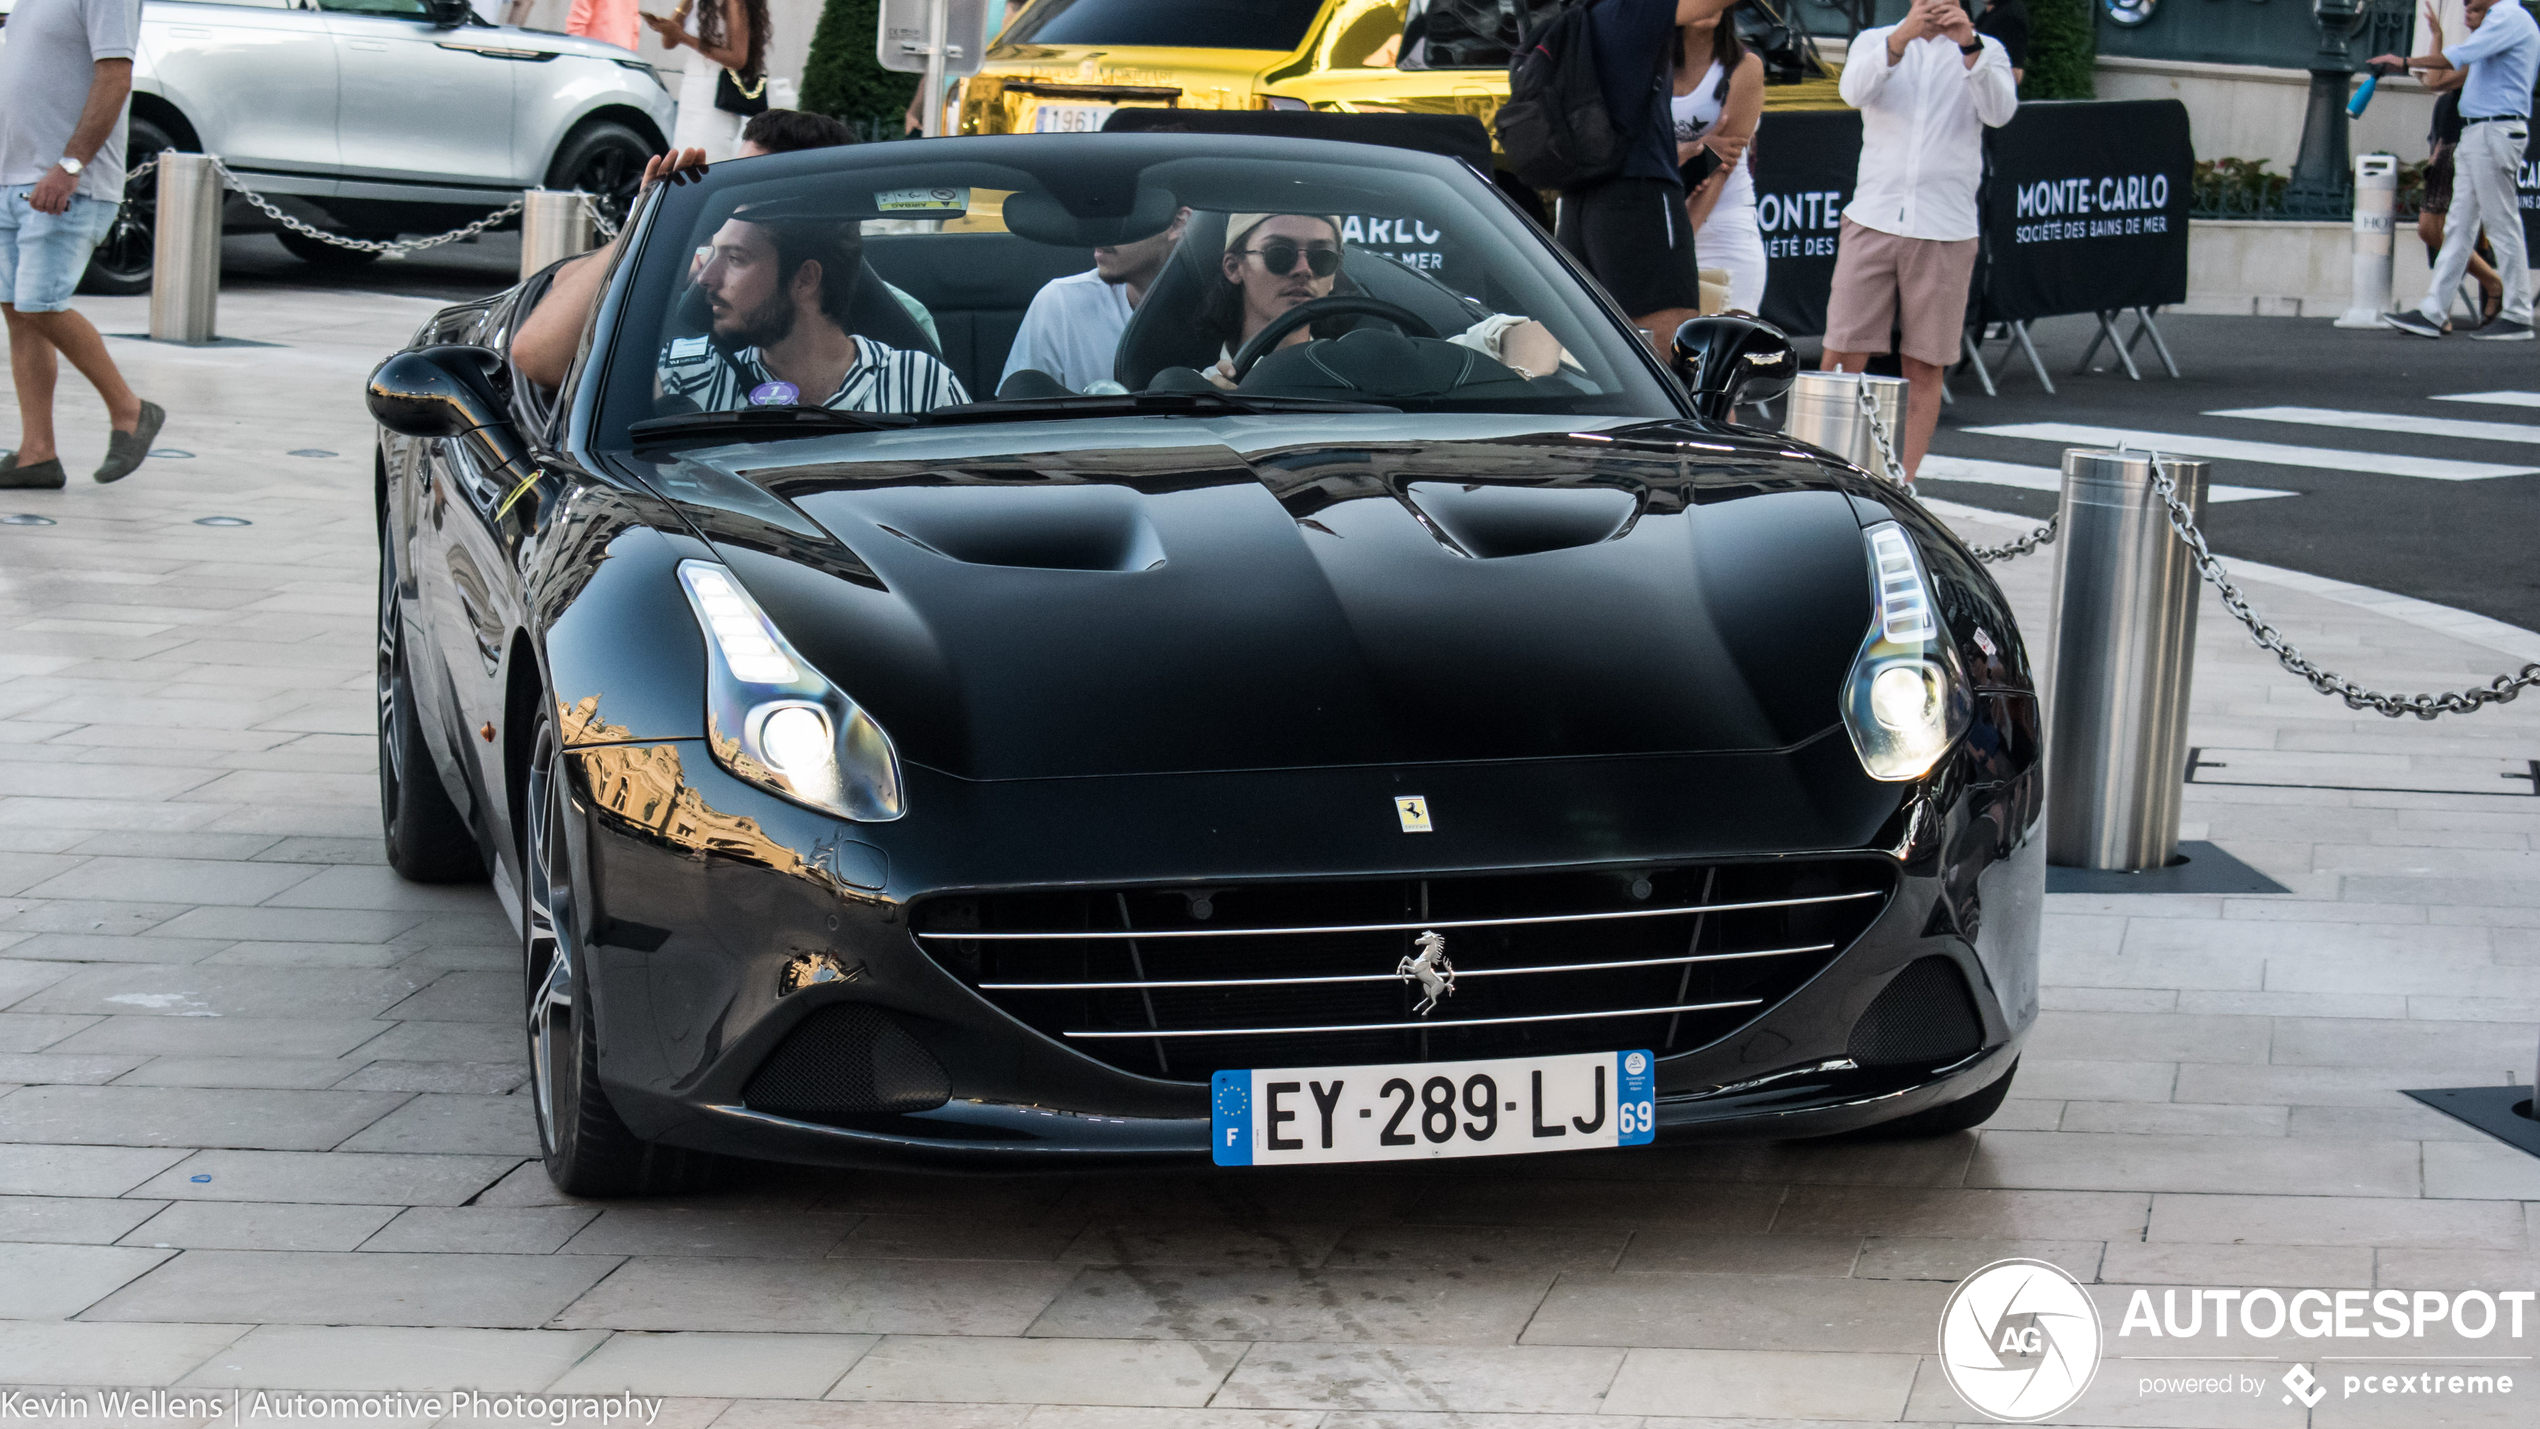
[1239, 225]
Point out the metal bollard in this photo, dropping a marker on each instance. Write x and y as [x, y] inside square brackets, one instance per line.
[185, 250]
[1825, 411]
[2376, 202]
[2124, 631]
[554, 224]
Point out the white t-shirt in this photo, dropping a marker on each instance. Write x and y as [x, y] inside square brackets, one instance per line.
[1072, 330]
[1695, 114]
[46, 68]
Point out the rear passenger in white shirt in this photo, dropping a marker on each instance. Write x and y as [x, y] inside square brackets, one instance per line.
[1072, 329]
[1927, 88]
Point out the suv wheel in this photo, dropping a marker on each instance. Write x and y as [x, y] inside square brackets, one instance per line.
[604, 159]
[120, 264]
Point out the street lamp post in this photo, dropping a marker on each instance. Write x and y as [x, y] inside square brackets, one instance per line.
[2319, 188]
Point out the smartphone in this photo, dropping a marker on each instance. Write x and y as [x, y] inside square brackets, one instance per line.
[1697, 170]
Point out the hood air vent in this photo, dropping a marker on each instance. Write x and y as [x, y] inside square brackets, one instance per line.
[1055, 528]
[1493, 521]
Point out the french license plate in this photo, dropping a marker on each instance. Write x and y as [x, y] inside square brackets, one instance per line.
[1280, 1116]
[1070, 118]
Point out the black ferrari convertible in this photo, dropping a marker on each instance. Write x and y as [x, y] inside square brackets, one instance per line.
[1065, 650]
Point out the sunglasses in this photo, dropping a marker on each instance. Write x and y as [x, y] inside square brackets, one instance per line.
[1280, 258]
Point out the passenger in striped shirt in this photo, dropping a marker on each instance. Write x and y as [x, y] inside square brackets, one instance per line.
[780, 291]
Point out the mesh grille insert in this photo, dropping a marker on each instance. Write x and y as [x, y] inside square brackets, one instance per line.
[847, 1060]
[1925, 1014]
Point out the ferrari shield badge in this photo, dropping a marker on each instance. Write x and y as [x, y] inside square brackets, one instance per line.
[1414, 810]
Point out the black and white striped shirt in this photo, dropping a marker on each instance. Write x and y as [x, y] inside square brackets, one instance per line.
[882, 379]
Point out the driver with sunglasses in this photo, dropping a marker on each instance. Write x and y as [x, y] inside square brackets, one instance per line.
[1275, 261]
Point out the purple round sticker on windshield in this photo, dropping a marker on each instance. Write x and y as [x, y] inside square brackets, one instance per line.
[775, 394]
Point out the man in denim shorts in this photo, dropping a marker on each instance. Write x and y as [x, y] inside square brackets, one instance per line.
[65, 85]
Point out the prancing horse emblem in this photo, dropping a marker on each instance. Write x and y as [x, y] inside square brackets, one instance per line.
[1436, 974]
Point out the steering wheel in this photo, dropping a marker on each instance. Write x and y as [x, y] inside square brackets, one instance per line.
[1314, 309]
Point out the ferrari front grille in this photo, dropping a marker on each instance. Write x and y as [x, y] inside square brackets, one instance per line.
[1181, 982]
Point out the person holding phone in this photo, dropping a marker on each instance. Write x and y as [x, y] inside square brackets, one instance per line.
[1927, 88]
[719, 35]
[1717, 101]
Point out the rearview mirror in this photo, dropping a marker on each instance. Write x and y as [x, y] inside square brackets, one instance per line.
[450, 392]
[1727, 362]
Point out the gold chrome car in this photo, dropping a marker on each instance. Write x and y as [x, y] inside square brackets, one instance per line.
[1064, 65]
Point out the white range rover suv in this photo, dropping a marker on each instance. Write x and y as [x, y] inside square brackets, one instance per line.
[376, 118]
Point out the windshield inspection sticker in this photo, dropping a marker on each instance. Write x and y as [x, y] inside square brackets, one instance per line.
[775, 394]
[923, 201]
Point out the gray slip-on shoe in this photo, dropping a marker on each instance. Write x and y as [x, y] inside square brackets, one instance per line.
[124, 450]
[46, 475]
[2503, 330]
[2413, 324]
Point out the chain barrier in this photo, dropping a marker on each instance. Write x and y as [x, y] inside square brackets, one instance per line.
[2499, 690]
[1894, 471]
[599, 219]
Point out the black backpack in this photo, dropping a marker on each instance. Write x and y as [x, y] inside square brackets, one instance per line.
[1555, 127]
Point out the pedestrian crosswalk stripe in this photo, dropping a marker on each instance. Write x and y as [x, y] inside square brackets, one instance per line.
[2270, 453]
[2494, 399]
[2452, 427]
[2046, 478]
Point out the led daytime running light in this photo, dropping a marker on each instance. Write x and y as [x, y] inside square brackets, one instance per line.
[749, 643]
[1904, 609]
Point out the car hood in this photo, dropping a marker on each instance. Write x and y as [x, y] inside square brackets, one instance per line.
[1184, 596]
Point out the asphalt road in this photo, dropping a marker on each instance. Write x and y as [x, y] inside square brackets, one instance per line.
[2456, 537]
[2451, 536]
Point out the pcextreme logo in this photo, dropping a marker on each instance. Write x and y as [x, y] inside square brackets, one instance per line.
[2019, 1340]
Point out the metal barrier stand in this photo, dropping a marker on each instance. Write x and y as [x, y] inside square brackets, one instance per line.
[185, 250]
[2124, 632]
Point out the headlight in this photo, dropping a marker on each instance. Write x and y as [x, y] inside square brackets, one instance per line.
[1906, 700]
[774, 720]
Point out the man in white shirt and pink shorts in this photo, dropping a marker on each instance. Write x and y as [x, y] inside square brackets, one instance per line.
[1927, 88]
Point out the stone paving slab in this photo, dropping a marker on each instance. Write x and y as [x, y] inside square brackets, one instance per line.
[261, 1119]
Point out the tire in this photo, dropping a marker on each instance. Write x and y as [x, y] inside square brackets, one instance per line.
[120, 265]
[604, 159]
[321, 254]
[587, 1148]
[428, 841]
[1964, 1114]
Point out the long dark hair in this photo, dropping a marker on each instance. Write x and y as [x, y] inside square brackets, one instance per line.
[1219, 313]
[710, 30]
[1726, 47]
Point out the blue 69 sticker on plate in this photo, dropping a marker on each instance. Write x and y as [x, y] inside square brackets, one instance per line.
[1412, 1111]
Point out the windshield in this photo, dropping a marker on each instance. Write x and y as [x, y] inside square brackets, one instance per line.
[1056, 275]
[1179, 24]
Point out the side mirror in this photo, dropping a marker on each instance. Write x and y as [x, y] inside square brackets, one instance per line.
[447, 14]
[450, 392]
[1728, 361]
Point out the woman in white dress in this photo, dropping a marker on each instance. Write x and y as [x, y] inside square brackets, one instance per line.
[1719, 98]
[720, 35]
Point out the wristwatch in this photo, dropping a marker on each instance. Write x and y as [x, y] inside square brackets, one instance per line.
[70, 165]
[1973, 48]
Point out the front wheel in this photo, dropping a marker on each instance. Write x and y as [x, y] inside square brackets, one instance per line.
[587, 1148]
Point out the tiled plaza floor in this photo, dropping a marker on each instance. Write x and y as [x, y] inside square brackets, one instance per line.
[263, 1123]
